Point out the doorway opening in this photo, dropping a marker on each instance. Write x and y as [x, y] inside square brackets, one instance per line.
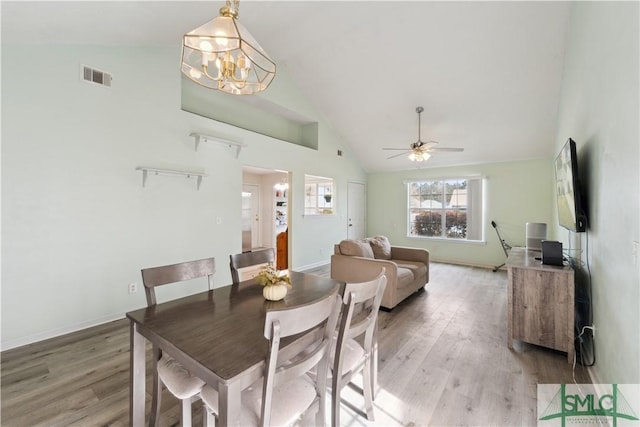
[266, 219]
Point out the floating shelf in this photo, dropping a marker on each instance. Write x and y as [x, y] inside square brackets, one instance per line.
[221, 141]
[156, 171]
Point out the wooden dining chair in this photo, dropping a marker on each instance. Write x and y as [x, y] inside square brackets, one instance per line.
[248, 259]
[178, 380]
[286, 394]
[360, 305]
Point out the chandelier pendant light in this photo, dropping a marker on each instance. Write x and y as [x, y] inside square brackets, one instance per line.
[223, 55]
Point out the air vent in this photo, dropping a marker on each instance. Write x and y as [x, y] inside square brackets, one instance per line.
[93, 75]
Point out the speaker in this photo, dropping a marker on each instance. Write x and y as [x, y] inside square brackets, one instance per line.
[552, 252]
[536, 233]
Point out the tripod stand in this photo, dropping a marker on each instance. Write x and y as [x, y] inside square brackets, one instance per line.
[505, 246]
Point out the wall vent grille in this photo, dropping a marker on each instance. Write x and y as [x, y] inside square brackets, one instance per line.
[92, 75]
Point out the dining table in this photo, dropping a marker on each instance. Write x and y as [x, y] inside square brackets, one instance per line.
[218, 335]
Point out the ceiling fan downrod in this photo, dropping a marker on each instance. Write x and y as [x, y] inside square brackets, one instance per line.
[419, 142]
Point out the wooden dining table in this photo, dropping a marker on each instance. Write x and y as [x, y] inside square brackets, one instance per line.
[218, 335]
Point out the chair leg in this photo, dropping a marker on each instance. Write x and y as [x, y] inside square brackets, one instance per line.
[154, 416]
[367, 385]
[374, 370]
[209, 420]
[335, 401]
[186, 412]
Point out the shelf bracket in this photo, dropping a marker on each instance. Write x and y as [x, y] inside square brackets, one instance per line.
[145, 174]
[221, 141]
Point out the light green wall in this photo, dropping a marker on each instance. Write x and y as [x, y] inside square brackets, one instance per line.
[515, 193]
[599, 110]
[77, 225]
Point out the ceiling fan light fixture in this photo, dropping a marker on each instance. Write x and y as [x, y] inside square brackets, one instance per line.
[223, 55]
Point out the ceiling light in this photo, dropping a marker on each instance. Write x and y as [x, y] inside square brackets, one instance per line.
[223, 55]
[419, 156]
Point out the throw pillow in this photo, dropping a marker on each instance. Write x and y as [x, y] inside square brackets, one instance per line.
[381, 247]
[356, 248]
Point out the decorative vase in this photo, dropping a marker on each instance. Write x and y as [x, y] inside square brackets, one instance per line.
[274, 292]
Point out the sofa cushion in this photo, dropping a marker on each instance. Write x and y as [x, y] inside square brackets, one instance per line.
[356, 248]
[417, 269]
[404, 277]
[381, 247]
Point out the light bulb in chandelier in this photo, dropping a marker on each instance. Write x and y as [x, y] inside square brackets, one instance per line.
[241, 65]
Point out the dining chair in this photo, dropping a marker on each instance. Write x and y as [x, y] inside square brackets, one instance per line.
[248, 259]
[286, 394]
[178, 380]
[356, 342]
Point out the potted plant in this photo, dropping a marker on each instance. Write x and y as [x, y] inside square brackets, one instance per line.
[275, 283]
[327, 197]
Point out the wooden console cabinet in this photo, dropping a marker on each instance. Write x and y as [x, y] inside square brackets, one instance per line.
[540, 302]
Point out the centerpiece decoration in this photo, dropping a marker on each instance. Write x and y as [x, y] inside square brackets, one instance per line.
[275, 283]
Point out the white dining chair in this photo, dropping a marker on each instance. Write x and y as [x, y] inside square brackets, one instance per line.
[178, 380]
[286, 394]
[356, 342]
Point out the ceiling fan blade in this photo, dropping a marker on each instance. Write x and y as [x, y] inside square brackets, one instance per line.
[445, 149]
[404, 149]
[398, 155]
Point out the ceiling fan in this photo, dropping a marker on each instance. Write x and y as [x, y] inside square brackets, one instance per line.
[419, 150]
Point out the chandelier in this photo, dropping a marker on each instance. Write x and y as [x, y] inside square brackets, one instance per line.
[223, 55]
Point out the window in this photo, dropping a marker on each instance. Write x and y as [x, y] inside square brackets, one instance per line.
[445, 209]
[319, 196]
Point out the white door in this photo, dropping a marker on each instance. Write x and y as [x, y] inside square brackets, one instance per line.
[356, 211]
[250, 217]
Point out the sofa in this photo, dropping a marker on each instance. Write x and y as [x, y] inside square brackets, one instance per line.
[407, 269]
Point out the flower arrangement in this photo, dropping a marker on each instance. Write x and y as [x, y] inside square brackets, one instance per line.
[269, 276]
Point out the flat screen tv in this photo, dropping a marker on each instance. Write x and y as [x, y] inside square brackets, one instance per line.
[571, 213]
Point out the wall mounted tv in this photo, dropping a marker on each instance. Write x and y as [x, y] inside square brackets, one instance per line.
[571, 213]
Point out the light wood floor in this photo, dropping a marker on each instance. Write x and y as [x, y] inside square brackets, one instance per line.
[443, 361]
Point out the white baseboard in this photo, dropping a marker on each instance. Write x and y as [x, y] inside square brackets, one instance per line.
[314, 265]
[465, 264]
[30, 339]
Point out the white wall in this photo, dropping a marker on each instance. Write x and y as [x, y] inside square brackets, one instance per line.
[515, 193]
[600, 111]
[77, 225]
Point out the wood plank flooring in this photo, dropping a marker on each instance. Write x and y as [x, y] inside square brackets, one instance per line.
[443, 361]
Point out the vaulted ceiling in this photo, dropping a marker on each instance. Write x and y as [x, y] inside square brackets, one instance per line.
[488, 74]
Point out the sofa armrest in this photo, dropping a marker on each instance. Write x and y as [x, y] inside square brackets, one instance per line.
[410, 254]
[359, 269]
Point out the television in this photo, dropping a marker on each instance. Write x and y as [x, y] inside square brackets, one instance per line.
[571, 213]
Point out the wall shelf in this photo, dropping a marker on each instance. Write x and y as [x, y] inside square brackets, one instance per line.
[217, 140]
[155, 171]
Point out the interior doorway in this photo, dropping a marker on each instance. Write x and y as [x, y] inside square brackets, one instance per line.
[250, 217]
[265, 205]
[356, 211]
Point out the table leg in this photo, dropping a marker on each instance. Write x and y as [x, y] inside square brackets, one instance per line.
[137, 377]
[229, 396]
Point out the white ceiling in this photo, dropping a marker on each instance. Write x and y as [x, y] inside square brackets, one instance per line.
[488, 74]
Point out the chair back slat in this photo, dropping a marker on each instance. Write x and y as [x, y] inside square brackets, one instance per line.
[248, 259]
[167, 274]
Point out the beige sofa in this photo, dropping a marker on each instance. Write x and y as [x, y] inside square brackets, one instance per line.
[407, 269]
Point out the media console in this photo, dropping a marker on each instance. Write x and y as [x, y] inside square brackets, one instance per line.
[540, 302]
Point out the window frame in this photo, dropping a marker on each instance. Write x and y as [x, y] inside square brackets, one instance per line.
[316, 189]
[475, 195]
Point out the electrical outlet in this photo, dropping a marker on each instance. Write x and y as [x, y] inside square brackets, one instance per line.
[133, 288]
